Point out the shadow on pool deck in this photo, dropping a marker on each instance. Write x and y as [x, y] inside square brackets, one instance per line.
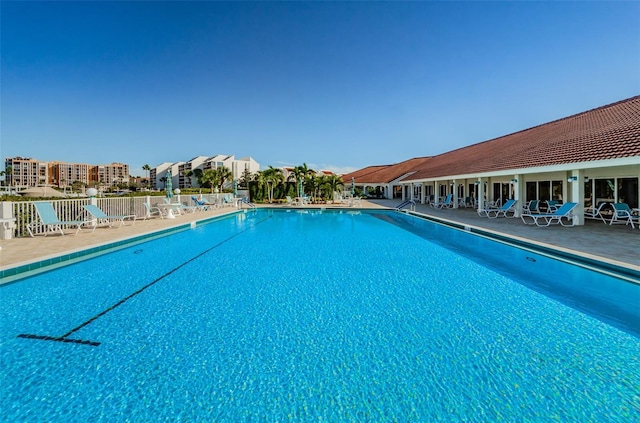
[618, 244]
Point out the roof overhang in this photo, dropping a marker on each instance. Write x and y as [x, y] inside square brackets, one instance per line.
[565, 167]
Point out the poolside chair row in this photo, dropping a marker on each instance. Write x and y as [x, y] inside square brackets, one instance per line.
[49, 222]
[48, 219]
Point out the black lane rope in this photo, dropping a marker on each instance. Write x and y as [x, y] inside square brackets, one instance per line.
[65, 338]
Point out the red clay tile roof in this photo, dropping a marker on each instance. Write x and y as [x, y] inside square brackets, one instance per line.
[608, 132]
[385, 173]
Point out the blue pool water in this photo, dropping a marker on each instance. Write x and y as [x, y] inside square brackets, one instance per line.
[323, 316]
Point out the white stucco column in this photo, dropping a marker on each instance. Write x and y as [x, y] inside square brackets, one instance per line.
[575, 194]
[481, 193]
[454, 186]
[518, 191]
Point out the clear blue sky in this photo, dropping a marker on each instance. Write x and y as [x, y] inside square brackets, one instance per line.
[337, 85]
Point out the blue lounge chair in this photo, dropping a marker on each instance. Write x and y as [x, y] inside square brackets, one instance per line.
[622, 214]
[448, 203]
[202, 204]
[49, 220]
[103, 219]
[565, 211]
[507, 207]
[532, 207]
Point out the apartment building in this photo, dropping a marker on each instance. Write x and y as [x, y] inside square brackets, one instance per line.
[180, 177]
[24, 172]
[65, 174]
[111, 174]
[28, 172]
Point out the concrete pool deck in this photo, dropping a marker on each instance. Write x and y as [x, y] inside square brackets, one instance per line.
[617, 244]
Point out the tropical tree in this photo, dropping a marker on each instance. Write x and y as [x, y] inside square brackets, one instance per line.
[272, 177]
[198, 175]
[332, 183]
[209, 178]
[245, 178]
[299, 173]
[311, 184]
[260, 183]
[147, 169]
[223, 173]
[187, 174]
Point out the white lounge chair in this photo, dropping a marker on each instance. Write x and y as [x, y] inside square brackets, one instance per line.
[545, 219]
[290, 201]
[103, 219]
[532, 207]
[507, 207]
[595, 212]
[448, 203]
[622, 214]
[50, 221]
[151, 211]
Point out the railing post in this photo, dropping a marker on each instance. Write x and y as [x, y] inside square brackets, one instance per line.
[7, 219]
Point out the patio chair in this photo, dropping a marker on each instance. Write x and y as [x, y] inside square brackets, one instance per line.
[48, 218]
[290, 201]
[202, 204]
[545, 219]
[595, 212]
[102, 219]
[532, 207]
[447, 203]
[507, 207]
[553, 205]
[623, 214]
[151, 211]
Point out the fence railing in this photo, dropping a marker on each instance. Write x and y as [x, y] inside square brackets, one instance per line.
[71, 209]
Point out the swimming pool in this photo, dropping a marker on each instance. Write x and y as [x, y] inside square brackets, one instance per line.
[330, 316]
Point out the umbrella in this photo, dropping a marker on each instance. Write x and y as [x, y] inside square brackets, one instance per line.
[300, 188]
[168, 185]
[353, 186]
[235, 188]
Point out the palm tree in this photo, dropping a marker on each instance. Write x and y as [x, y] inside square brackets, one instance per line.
[187, 174]
[260, 182]
[223, 174]
[209, 178]
[310, 184]
[147, 169]
[332, 183]
[272, 177]
[299, 173]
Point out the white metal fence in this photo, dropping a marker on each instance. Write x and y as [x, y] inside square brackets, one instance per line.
[71, 209]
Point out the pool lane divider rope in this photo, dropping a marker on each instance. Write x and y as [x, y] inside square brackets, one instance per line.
[65, 338]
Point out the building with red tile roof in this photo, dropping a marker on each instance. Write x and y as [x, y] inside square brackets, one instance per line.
[383, 180]
[586, 158]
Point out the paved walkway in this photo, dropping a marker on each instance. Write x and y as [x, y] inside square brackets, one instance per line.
[618, 244]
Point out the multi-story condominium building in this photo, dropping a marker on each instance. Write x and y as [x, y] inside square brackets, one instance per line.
[65, 174]
[26, 172]
[180, 178]
[111, 174]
